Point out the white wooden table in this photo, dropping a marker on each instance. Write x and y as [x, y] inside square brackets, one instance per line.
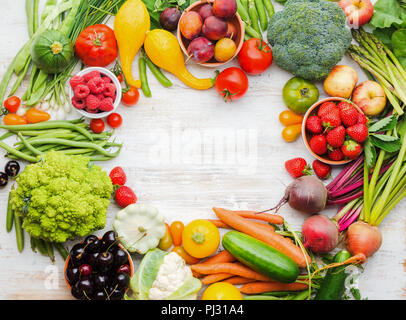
[186, 151]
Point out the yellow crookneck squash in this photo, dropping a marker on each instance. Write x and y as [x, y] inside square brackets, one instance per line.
[163, 49]
[131, 24]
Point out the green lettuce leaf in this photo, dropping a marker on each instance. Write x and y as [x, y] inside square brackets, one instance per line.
[388, 13]
[146, 273]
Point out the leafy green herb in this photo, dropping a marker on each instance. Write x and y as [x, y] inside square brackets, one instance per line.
[382, 142]
[370, 153]
[385, 124]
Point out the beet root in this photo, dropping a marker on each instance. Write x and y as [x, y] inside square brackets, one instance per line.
[320, 234]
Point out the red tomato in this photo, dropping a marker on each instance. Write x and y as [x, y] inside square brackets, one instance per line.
[255, 56]
[12, 104]
[130, 97]
[96, 45]
[120, 77]
[97, 125]
[114, 120]
[231, 83]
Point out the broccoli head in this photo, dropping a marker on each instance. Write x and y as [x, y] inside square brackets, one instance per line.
[309, 37]
[62, 197]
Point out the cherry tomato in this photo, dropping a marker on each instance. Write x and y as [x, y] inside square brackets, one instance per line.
[12, 104]
[114, 120]
[131, 96]
[176, 232]
[291, 133]
[231, 83]
[97, 125]
[186, 256]
[166, 241]
[13, 119]
[288, 118]
[120, 77]
[255, 56]
[34, 116]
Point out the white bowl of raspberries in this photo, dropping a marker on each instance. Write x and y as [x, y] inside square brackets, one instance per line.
[95, 92]
[334, 130]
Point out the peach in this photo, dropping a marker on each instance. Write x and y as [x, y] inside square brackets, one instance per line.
[341, 81]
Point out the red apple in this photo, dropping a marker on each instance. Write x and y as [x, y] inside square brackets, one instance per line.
[370, 97]
[359, 12]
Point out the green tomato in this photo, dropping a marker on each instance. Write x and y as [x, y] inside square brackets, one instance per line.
[300, 94]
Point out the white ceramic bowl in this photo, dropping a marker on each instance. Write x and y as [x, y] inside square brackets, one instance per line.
[118, 92]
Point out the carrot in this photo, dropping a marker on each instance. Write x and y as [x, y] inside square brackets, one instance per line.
[219, 223]
[271, 286]
[227, 267]
[268, 217]
[222, 256]
[212, 278]
[238, 280]
[275, 240]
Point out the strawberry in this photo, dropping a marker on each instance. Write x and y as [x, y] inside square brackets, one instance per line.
[351, 149]
[331, 119]
[335, 137]
[362, 118]
[118, 176]
[348, 114]
[358, 132]
[336, 154]
[314, 125]
[326, 107]
[321, 169]
[124, 196]
[297, 167]
[318, 144]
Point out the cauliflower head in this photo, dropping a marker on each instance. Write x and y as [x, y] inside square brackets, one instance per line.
[62, 197]
[309, 37]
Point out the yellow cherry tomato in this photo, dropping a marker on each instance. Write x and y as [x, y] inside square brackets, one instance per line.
[288, 118]
[200, 238]
[186, 256]
[224, 50]
[166, 242]
[176, 230]
[291, 133]
[222, 291]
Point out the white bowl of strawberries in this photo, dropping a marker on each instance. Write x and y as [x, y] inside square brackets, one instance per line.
[95, 92]
[334, 130]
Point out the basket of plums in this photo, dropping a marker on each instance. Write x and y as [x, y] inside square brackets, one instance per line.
[98, 268]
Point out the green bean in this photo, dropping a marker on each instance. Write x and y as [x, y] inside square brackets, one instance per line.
[17, 153]
[143, 76]
[7, 77]
[48, 125]
[158, 73]
[28, 12]
[62, 250]
[29, 146]
[261, 297]
[71, 143]
[37, 133]
[243, 12]
[263, 19]
[99, 158]
[10, 214]
[35, 15]
[6, 135]
[245, 4]
[19, 232]
[269, 7]
[303, 295]
[277, 293]
[252, 32]
[50, 135]
[41, 246]
[50, 250]
[254, 16]
[20, 78]
[33, 243]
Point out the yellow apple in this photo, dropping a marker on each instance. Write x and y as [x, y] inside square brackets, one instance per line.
[370, 97]
[341, 81]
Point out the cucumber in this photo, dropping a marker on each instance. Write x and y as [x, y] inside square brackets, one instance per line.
[332, 286]
[260, 257]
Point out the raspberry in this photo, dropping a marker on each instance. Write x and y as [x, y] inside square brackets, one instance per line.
[75, 80]
[81, 91]
[91, 75]
[91, 111]
[96, 85]
[109, 90]
[106, 79]
[106, 105]
[100, 96]
[78, 103]
[92, 102]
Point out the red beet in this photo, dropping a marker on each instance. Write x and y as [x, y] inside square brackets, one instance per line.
[320, 234]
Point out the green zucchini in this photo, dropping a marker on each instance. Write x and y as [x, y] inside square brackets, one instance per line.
[260, 257]
[332, 286]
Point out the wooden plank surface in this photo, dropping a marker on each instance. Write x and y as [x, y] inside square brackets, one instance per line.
[186, 151]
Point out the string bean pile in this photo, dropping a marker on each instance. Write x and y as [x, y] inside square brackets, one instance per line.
[70, 137]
